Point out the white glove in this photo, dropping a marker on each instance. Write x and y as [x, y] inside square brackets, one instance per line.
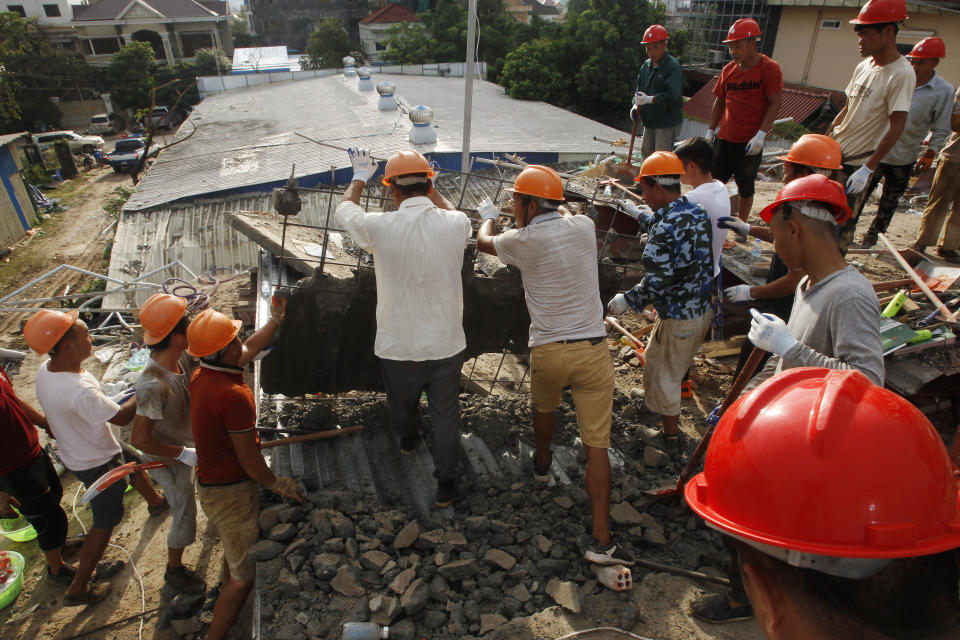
[770, 333]
[755, 145]
[363, 165]
[640, 99]
[633, 112]
[710, 136]
[634, 211]
[488, 210]
[618, 305]
[188, 456]
[739, 293]
[858, 180]
[738, 225]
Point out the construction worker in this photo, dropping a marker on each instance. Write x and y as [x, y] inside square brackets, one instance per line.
[678, 281]
[29, 482]
[747, 99]
[78, 414]
[878, 100]
[811, 153]
[834, 323]
[944, 193]
[658, 101]
[230, 467]
[839, 501]
[556, 254]
[420, 339]
[161, 427]
[696, 154]
[930, 110]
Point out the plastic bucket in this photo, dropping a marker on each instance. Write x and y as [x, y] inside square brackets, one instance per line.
[10, 589]
[17, 529]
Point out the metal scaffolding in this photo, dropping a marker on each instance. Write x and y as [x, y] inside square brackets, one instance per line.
[709, 20]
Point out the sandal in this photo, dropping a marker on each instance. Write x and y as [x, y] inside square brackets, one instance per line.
[94, 594]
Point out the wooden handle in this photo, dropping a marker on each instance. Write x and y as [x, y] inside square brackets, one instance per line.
[610, 320]
[946, 313]
[633, 137]
[319, 435]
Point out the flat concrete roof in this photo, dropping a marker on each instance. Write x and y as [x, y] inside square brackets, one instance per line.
[246, 140]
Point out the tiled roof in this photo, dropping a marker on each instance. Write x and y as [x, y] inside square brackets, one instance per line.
[112, 9]
[796, 102]
[390, 14]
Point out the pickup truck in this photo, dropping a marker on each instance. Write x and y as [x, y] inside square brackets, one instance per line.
[126, 154]
[163, 118]
[78, 143]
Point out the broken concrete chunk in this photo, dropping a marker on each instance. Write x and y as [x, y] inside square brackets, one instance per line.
[270, 516]
[346, 583]
[430, 539]
[637, 393]
[186, 626]
[265, 550]
[325, 565]
[415, 597]
[283, 532]
[407, 536]
[566, 594]
[649, 522]
[287, 584]
[291, 514]
[564, 502]
[520, 593]
[624, 513]
[654, 536]
[490, 621]
[500, 558]
[384, 610]
[653, 457]
[402, 581]
[459, 570]
[543, 544]
[455, 539]
[374, 560]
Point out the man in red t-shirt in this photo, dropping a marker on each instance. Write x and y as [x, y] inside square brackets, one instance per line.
[223, 417]
[746, 103]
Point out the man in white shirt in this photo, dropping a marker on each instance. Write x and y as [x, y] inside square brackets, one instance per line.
[696, 154]
[418, 253]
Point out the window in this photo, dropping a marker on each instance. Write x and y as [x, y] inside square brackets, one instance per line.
[52, 10]
[830, 25]
[193, 42]
[101, 46]
[17, 8]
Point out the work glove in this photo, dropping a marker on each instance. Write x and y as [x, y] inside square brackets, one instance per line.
[7, 502]
[633, 210]
[710, 136]
[278, 309]
[633, 113]
[618, 305]
[188, 456]
[488, 210]
[739, 293]
[770, 333]
[858, 180]
[755, 145]
[924, 162]
[738, 225]
[640, 99]
[288, 488]
[363, 165]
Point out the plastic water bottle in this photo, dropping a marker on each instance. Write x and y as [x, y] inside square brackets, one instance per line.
[757, 250]
[139, 359]
[364, 631]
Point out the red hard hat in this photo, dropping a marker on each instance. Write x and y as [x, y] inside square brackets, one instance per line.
[881, 11]
[743, 28]
[824, 462]
[932, 47]
[816, 187]
[654, 33]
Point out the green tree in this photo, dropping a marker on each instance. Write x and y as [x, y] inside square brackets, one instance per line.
[132, 74]
[530, 72]
[328, 44]
[211, 62]
[241, 34]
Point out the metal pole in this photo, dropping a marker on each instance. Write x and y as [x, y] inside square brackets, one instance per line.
[468, 81]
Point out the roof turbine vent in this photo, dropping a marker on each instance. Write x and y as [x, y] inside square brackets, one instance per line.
[422, 132]
[348, 68]
[364, 83]
[387, 100]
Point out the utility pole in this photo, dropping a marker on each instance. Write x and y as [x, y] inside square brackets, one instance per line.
[468, 83]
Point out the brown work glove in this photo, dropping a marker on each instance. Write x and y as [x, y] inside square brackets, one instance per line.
[6, 503]
[288, 488]
[278, 308]
[923, 163]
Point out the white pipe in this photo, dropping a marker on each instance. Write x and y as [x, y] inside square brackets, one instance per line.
[468, 83]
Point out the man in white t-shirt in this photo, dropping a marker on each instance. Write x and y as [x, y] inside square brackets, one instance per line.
[696, 154]
[418, 251]
[557, 257]
[78, 412]
[878, 101]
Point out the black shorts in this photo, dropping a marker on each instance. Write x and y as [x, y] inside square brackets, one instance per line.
[107, 507]
[729, 160]
[37, 488]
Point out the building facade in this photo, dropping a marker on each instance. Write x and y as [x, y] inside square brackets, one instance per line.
[290, 22]
[375, 27]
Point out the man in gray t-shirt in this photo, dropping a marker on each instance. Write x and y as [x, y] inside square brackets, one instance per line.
[557, 256]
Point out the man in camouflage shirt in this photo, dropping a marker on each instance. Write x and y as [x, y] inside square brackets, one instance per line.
[678, 261]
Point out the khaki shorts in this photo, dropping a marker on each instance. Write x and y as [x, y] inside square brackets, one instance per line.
[588, 370]
[234, 509]
[669, 354]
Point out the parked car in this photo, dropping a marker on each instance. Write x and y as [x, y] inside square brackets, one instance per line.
[126, 153]
[105, 123]
[78, 143]
[163, 118]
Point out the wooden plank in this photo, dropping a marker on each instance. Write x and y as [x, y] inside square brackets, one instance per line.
[722, 353]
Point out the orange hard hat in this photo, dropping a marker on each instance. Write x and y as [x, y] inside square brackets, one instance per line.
[660, 163]
[743, 28]
[815, 150]
[209, 332]
[46, 327]
[404, 163]
[654, 33]
[824, 462]
[882, 11]
[159, 315]
[932, 47]
[817, 188]
[539, 181]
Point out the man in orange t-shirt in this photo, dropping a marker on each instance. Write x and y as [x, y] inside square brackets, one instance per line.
[746, 103]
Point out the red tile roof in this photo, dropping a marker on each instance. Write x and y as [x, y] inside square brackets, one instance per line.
[390, 14]
[796, 102]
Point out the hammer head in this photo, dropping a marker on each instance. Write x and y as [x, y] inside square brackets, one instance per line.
[286, 202]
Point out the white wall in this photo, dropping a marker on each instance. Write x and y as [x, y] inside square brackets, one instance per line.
[35, 9]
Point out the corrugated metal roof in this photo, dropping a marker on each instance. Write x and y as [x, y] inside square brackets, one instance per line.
[11, 137]
[795, 103]
[247, 139]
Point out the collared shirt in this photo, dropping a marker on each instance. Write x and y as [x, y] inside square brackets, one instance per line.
[930, 110]
[951, 152]
[665, 83]
[678, 262]
[418, 252]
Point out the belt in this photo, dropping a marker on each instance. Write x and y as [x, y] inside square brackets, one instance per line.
[593, 341]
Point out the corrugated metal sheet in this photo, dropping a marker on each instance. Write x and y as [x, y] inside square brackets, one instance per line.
[15, 206]
[796, 103]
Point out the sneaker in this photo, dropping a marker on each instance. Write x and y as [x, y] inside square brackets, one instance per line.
[447, 493]
[869, 241]
[541, 473]
[949, 256]
[605, 554]
[64, 578]
[184, 580]
[163, 507]
[716, 608]
[408, 444]
[94, 594]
